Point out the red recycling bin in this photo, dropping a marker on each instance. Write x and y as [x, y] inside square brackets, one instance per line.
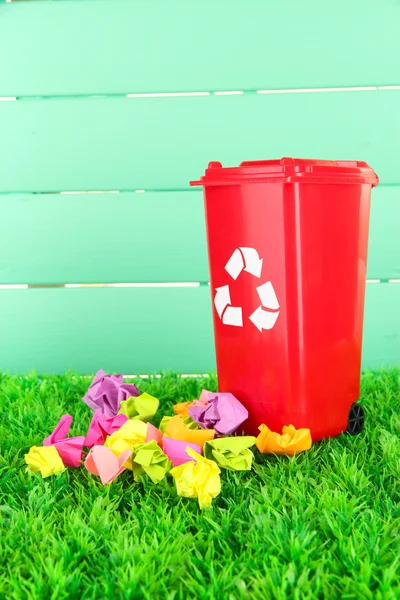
[287, 243]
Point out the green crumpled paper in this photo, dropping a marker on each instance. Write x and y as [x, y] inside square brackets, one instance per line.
[190, 424]
[142, 408]
[231, 453]
[150, 460]
[163, 423]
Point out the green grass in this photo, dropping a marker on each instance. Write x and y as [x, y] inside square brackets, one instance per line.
[324, 524]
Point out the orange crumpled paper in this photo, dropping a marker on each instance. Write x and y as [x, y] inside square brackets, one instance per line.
[291, 442]
[177, 430]
[182, 408]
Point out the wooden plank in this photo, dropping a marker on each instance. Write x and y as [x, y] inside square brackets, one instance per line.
[151, 237]
[384, 238]
[381, 344]
[126, 330]
[145, 330]
[162, 143]
[111, 238]
[172, 45]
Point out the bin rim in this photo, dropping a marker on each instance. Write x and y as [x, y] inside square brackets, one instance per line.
[289, 170]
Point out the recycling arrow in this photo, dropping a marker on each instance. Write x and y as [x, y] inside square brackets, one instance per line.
[244, 258]
[263, 319]
[231, 315]
[266, 315]
[222, 299]
[267, 295]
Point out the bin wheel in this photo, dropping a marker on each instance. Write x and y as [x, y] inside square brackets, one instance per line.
[355, 423]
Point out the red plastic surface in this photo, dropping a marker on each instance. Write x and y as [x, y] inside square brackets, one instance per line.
[290, 170]
[312, 238]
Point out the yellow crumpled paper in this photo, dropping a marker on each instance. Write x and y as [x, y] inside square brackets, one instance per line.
[198, 479]
[142, 408]
[126, 437]
[150, 460]
[291, 442]
[44, 459]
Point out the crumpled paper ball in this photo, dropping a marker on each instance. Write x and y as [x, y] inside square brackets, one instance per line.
[129, 435]
[188, 422]
[101, 461]
[142, 407]
[69, 449]
[163, 423]
[154, 434]
[177, 429]
[182, 408]
[176, 450]
[232, 453]
[106, 392]
[101, 427]
[150, 460]
[45, 460]
[224, 413]
[291, 442]
[199, 479]
[204, 398]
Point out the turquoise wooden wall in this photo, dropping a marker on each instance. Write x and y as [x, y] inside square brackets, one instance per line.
[109, 108]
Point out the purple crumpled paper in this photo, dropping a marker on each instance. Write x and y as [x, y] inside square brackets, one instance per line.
[224, 413]
[107, 391]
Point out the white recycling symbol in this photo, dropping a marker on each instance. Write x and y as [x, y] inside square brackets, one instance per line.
[247, 259]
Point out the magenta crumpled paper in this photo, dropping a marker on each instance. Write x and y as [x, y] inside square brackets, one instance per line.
[100, 427]
[69, 449]
[107, 391]
[224, 413]
[176, 450]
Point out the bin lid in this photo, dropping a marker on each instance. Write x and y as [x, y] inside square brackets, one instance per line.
[289, 170]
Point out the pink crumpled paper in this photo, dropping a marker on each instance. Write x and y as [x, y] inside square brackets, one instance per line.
[176, 450]
[101, 461]
[69, 449]
[100, 427]
[204, 397]
[154, 434]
